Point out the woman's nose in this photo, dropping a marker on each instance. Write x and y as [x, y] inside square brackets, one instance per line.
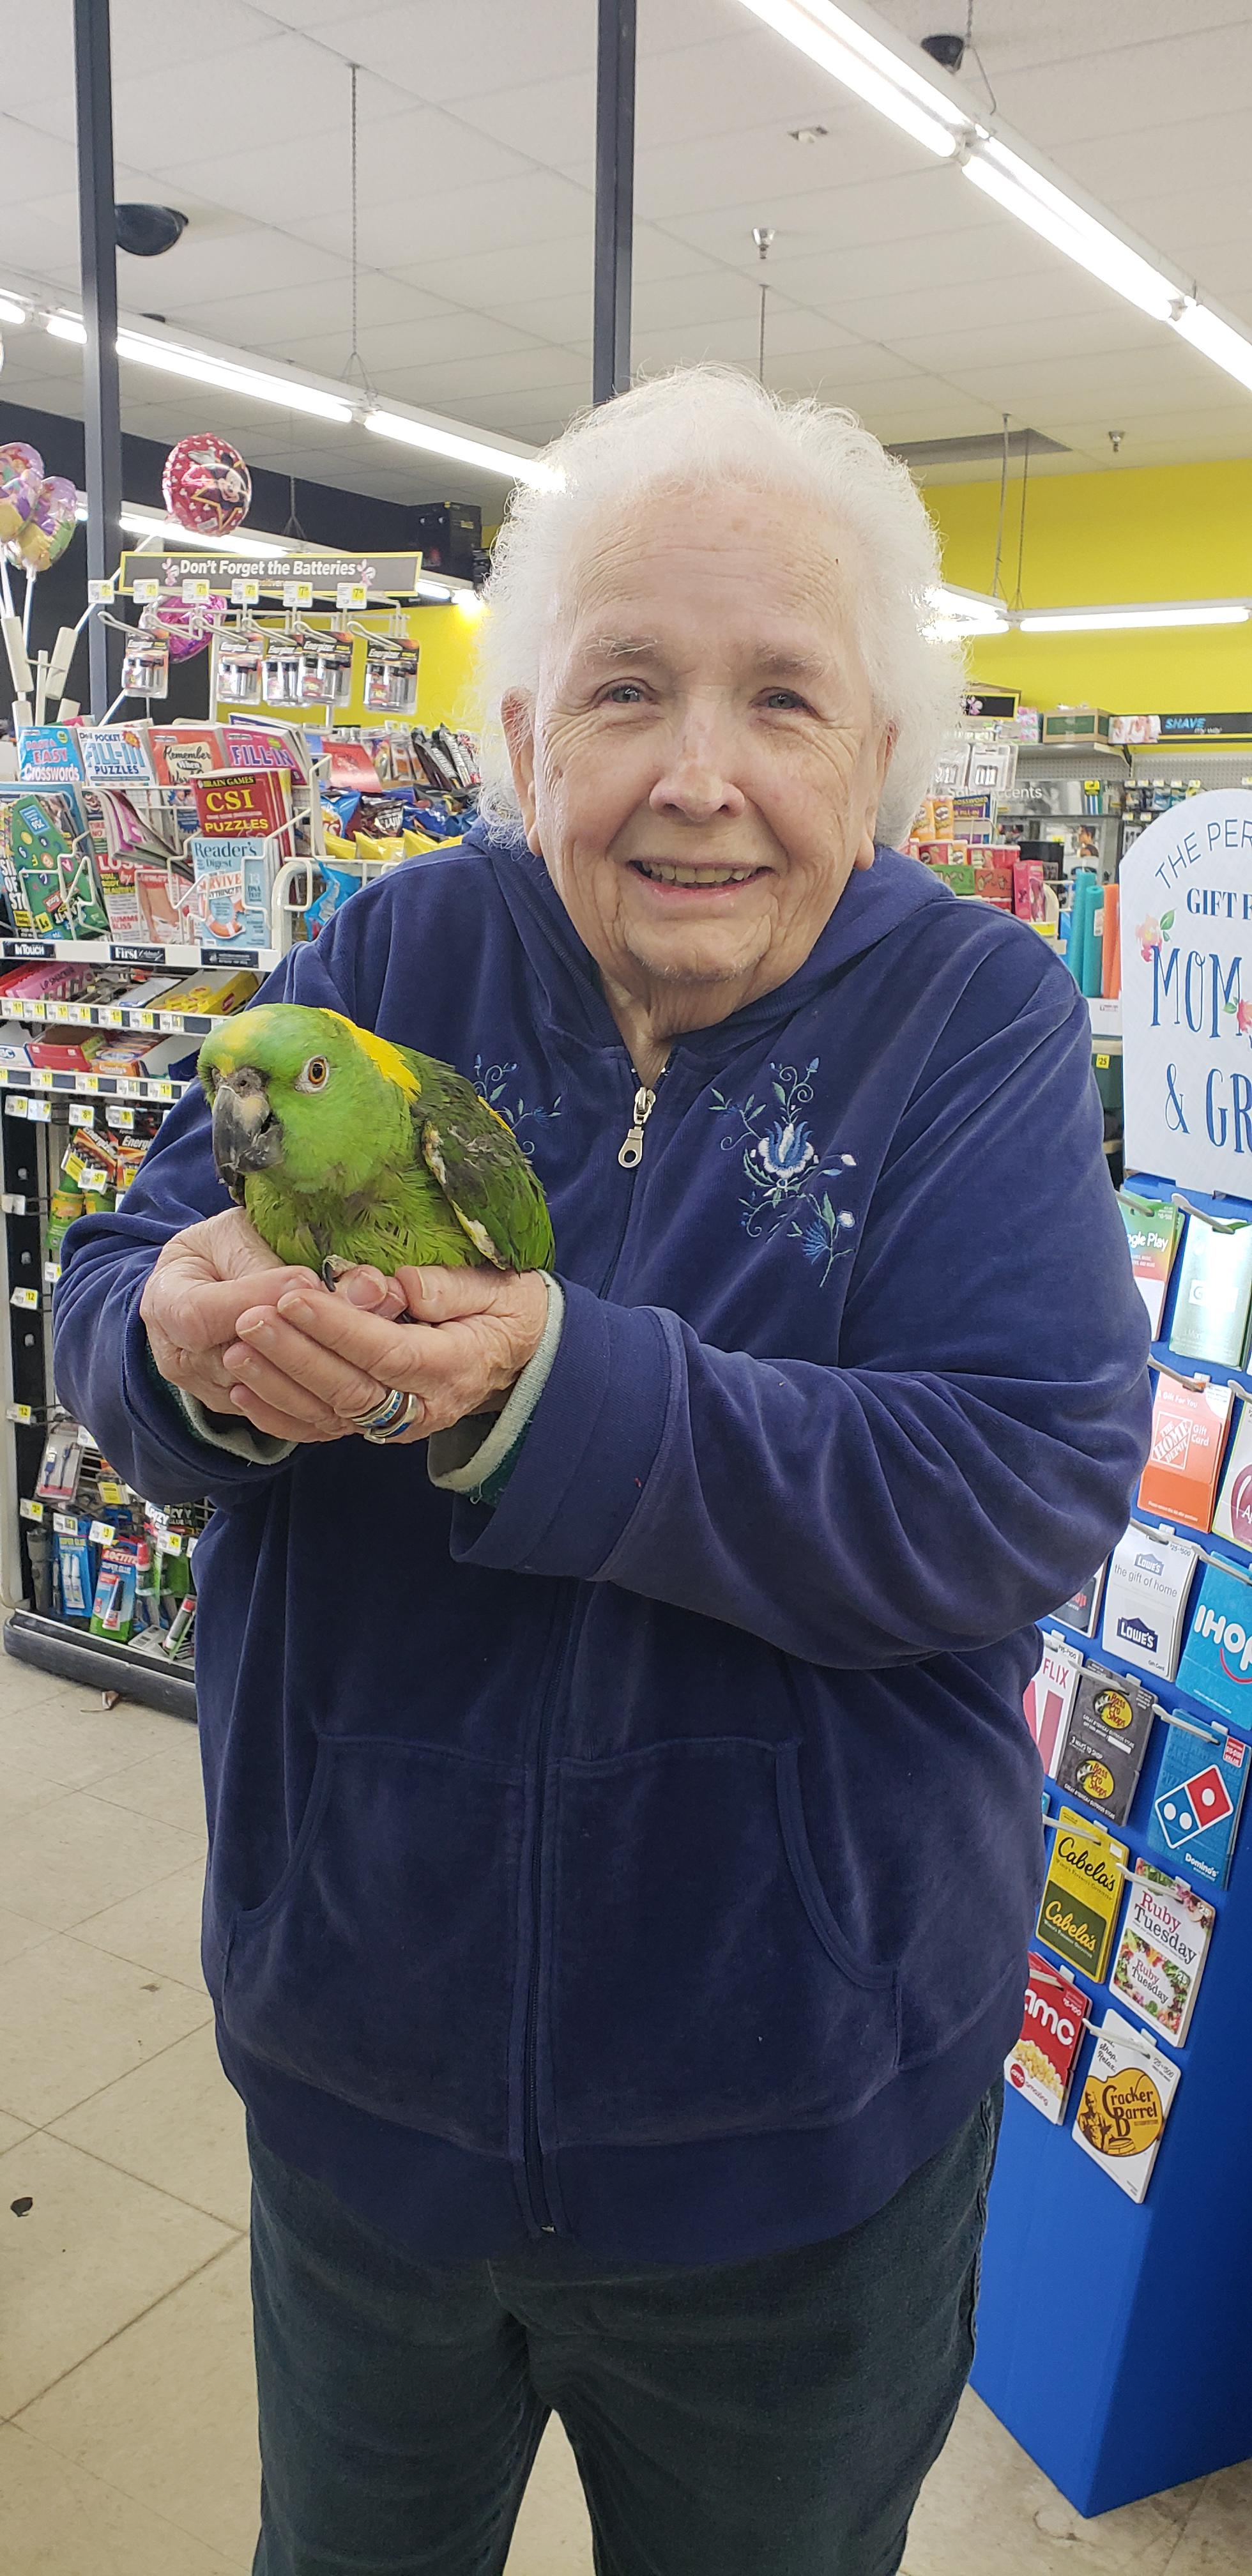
[695, 787]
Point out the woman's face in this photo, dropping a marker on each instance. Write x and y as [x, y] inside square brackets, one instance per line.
[701, 767]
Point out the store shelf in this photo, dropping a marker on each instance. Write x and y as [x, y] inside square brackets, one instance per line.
[97, 1663]
[105, 952]
[154, 1022]
[40, 1081]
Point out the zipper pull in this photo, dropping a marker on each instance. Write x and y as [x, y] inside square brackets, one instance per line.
[630, 1153]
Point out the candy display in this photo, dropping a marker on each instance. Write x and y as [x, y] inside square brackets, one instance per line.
[206, 484]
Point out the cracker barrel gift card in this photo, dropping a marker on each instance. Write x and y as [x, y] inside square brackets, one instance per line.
[1124, 2104]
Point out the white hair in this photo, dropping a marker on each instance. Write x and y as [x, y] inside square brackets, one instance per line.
[699, 429]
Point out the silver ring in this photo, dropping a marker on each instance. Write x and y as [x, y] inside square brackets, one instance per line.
[388, 1418]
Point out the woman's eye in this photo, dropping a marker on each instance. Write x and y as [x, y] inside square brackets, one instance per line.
[785, 698]
[624, 693]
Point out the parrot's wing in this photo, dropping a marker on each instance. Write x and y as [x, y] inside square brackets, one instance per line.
[484, 1175]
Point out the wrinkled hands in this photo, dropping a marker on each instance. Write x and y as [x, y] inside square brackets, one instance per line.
[246, 1335]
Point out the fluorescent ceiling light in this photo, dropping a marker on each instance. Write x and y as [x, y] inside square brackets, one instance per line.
[432, 590]
[1058, 219]
[1217, 340]
[11, 312]
[203, 370]
[830, 37]
[959, 613]
[1089, 621]
[65, 326]
[464, 451]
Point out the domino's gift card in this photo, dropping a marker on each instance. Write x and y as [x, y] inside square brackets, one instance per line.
[1195, 1811]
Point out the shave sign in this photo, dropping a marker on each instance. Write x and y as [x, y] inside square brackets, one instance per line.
[1186, 928]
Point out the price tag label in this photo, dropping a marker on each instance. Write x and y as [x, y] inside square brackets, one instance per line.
[41, 1110]
[102, 1533]
[42, 1078]
[16, 1107]
[19, 1413]
[146, 590]
[162, 1091]
[351, 594]
[112, 1492]
[52, 1272]
[110, 1017]
[171, 1542]
[297, 594]
[245, 593]
[13, 1204]
[193, 592]
[66, 1523]
[27, 1297]
[119, 1117]
[92, 1183]
[29, 1509]
[88, 1082]
[98, 592]
[170, 1020]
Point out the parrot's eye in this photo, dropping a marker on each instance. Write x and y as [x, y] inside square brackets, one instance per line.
[313, 1076]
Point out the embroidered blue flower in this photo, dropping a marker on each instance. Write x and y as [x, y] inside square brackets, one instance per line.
[492, 1083]
[788, 1177]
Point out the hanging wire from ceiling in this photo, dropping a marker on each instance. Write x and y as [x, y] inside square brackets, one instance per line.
[1016, 601]
[355, 358]
[1004, 494]
[971, 48]
[762, 235]
[292, 527]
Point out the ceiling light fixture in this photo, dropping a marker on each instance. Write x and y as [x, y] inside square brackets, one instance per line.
[875, 72]
[433, 590]
[1091, 621]
[65, 326]
[231, 377]
[1023, 192]
[1217, 340]
[11, 311]
[464, 451]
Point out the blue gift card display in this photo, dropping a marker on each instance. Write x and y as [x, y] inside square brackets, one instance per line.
[1216, 1664]
[1195, 1811]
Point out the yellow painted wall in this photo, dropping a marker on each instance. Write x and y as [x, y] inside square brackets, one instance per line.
[1148, 532]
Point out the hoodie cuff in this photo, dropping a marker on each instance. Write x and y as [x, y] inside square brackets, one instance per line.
[218, 1430]
[477, 1456]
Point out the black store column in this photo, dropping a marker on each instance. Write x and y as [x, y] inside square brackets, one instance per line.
[93, 75]
[615, 197]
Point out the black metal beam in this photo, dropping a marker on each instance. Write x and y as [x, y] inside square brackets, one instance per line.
[93, 76]
[615, 197]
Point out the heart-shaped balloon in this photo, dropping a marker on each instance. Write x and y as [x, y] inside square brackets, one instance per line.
[21, 473]
[47, 532]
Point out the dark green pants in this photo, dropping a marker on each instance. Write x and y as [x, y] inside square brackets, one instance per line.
[771, 2418]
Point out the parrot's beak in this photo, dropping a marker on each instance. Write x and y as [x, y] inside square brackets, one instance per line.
[247, 1137]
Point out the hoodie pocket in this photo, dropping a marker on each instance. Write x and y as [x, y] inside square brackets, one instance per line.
[379, 1968]
[701, 1981]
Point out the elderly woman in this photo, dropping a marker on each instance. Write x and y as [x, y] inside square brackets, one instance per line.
[624, 1830]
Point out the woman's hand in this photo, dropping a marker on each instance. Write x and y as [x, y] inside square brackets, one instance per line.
[306, 1356]
[204, 1280]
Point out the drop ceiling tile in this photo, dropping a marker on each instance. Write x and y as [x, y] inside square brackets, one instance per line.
[446, 384]
[443, 54]
[552, 121]
[1080, 97]
[961, 305]
[38, 231]
[1164, 379]
[1190, 221]
[1008, 342]
[764, 164]
[229, 254]
[32, 164]
[732, 344]
[1013, 34]
[539, 208]
[403, 156]
[180, 33]
[667, 25]
[441, 338]
[1181, 154]
[279, 318]
[238, 92]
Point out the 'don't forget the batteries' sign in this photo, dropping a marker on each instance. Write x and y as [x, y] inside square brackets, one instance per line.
[1186, 930]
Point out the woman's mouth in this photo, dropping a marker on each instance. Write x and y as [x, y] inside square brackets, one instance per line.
[660, 872]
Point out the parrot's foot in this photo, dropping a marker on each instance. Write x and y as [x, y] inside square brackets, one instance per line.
[333, 1270]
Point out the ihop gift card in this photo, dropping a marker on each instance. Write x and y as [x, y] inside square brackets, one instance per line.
[1216, 1664]
[1195, 1812]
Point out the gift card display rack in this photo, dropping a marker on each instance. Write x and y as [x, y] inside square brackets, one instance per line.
[1113, 2333]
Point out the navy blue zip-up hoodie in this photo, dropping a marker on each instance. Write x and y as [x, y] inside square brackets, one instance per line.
[651, 1859]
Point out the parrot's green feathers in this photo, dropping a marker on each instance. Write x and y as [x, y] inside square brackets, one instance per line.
[341, 1145]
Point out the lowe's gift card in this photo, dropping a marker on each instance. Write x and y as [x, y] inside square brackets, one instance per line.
[1216, 1662]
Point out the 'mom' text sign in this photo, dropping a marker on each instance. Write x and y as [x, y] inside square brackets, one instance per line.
[1186, 917]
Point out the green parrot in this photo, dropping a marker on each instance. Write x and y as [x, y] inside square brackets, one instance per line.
[344, 1148]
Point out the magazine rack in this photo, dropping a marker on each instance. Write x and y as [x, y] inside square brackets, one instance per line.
[1113, 2337]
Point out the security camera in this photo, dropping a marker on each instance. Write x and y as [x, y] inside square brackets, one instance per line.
[145, 231]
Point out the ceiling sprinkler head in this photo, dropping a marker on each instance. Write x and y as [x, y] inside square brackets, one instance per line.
[808, 133]
[763, 235]
[1115, 440]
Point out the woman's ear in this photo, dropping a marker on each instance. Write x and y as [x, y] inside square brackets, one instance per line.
[865, 846]
[517, 718]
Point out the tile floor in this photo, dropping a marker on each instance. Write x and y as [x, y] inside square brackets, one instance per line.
[127, 2444]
